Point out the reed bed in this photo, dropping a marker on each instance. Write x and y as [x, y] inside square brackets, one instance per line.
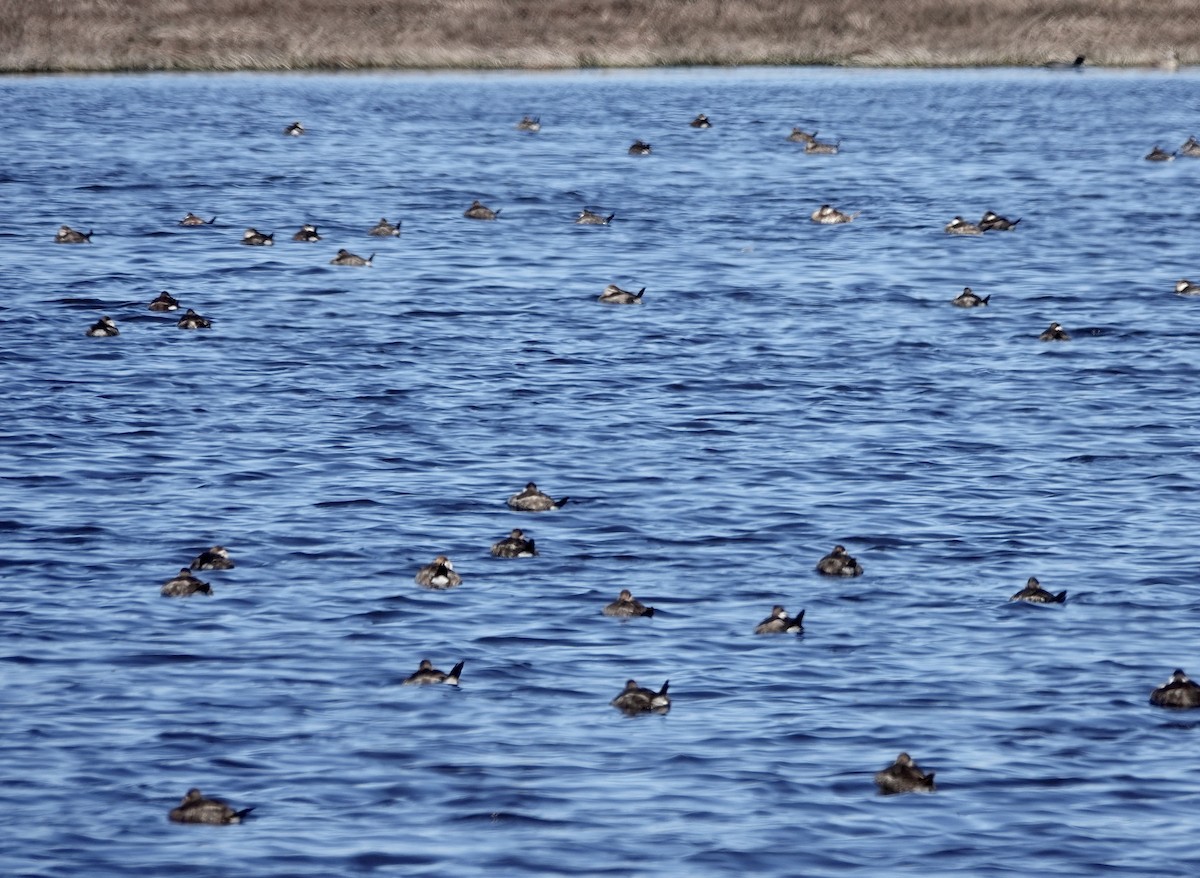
[94, 35]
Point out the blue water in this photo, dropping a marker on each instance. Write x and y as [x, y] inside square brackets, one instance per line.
[786, 386]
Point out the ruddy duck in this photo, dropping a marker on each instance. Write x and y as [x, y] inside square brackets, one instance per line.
[192, 320]
[831, 216]
[838, 563]
[589, 218]
[533, 500]
[294, 130]
[1191, 149]
[614, 295]
[192, 220]
[634, 699]
[478, 211]
[213, 558]
[514, 546]
[779, 622]
[798, 136]
[105, 327]
[1035, 594]
[627, 605]
[701, 121]
[968, 299]
[345, 257]
[384, 229]
[530, 123]
[184, 585]
[1054, 332]
[164, 302]
[438, 573]
[817, 147]
[959, 226]
[67, 235]
[1158, 155]
[903, 776]
[639, 147]
[1179, 692]
[307, 234]
[196, 809]
[1186, 288]
[993, 222]
[255, 238]
[427, 673]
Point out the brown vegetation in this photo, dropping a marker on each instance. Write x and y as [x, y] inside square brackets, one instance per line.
[56, 35]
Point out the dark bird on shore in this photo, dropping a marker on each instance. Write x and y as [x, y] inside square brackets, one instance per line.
[192, 320]
[105, 327]
[614, 295]
[1179, 692]
[307, 233]
[439, 574]
[903, 776]
[993, 222]
[838, 563]
[68, 235]
[634, 699]
[164, 302]
[185, 585]
[515, 545]
[968, 299]
[192, 220]
[627, 606]
[1034, 593]
[255, 238]
[532, 500]
[213, 558]
[195, 808]
[1054, 332]
[345, 257]
[427, 673]
[779, 622]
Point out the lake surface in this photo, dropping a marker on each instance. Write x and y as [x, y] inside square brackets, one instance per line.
[784, 387]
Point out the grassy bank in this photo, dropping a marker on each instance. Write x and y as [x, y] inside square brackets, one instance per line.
[53, 35]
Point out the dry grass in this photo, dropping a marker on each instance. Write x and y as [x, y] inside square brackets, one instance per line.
[53, 35]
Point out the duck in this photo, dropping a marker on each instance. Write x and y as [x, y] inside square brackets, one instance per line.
[195, 808]
[779, 622]
[427, 673]
[968, 299]
[307, 233]
[817, 147]
[384, 229]
[530, 123]
[532, 500]
[1191, 148]
[838, 563]
[640, 147]
[438, 573]
[959, 226]
[255, 238]
[192, 320]
[993, 222]
[1158, 155]
[345, 257]
[213, 558]
[105, 327]
[478, 211]
[294, 130]
[634, 699]
[515, 545]
[1185, 287]
[68, 235]
[1179, 691]
[799, 136]
[627, 606]
[614, 295]
[1054, 332]
[185, 585]
[903, 776]
[164, 302]
[701, 121]
[590, 218]
[192, 220]
[831, 216]
[1077, 64]
[1034, 593]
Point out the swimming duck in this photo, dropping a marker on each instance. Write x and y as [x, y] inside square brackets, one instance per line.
[639, 147]
[779, 622]
[626, 605]
[105, 327]
[192, 220]
[1185, 287]
[192, 320]
[255, 238]
[478, 211]
[1054, 332]
[1077, 64]
[164, 302]
[1191, 148]
[196, 809]
[427, 673]
[968, 299]
[345, 257]
[993, 222]
[798, 136]
[533, 500]
[831, 216]
[384, 229]
[438, 573]
[213, 558]
[184, 585]
[294, 130]
[67, 235]
[530, 123]
[1179, 691]
[838, 563]
[701, 121]
[614, 295]
[816, 147]
[1035, 594]
[634, 699]
[514, 546]
[308, 233]
[903, 776]
[959, 226]
[1158, 155]
[590, 218]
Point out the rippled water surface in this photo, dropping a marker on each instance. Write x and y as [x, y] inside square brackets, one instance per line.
[785, 387]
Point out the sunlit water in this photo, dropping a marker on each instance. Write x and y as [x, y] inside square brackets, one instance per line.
[786, 386]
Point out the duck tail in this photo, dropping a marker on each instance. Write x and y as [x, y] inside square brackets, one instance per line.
[1014, 222]
[497, 213]
[611, 216]
[799, 619]
[455, 672]
[562, 502]
[209, 223]
[240, 815]
[1060, 598]
[638, 294]
[663, 690]
[986, 299]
